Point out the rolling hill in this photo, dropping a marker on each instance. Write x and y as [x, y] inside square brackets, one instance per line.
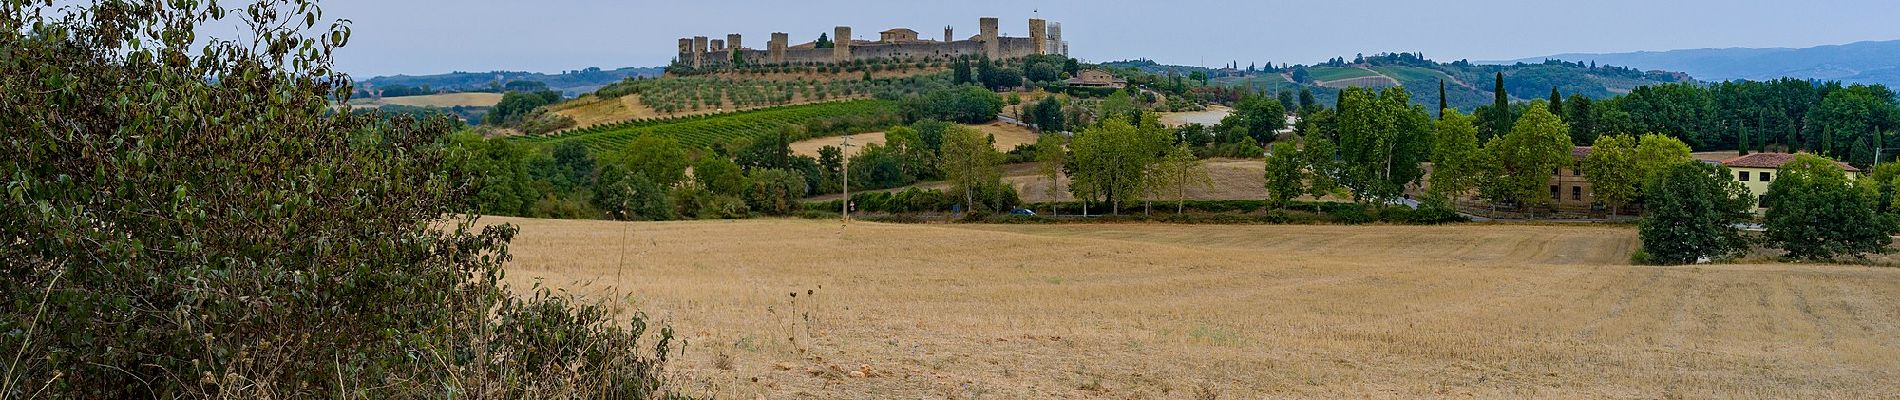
[570, 83]
[1862, 62]
[1467, 85]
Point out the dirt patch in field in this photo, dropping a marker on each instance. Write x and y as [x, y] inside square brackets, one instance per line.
[815, 309]
[1007, 137]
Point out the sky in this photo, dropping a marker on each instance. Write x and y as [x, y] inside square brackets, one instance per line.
[437, 36]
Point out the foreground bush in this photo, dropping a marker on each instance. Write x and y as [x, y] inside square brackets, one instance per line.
[196, 222]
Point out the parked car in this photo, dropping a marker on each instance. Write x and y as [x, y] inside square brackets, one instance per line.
[1022, 212]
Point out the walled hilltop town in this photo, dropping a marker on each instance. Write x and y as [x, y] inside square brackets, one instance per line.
[896, 43]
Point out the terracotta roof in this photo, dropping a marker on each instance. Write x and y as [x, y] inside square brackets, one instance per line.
[1580, 151]
[900, 30]
[1771, 160]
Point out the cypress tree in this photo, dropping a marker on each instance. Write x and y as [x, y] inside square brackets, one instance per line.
[1556, 102]
[1741, 140]
[1500, 108]
[1442, 104]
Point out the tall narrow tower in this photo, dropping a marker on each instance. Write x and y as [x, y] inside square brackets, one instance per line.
[841, 44]
[949, 34]
[1056, 46]
[699, 51]
[777, 46]
[987, 35]
[1038, 36]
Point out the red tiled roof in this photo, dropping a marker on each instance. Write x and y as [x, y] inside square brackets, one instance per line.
[1771, 160]
[1580, 151]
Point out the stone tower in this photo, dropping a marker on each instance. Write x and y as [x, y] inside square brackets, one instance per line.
[949, 34]
[1038, 36]
[699, 51]
[987, 35]
[841, 44]
[1055, 40]
[686, 46]
[777, 46]
[718, 45]
[732, 41]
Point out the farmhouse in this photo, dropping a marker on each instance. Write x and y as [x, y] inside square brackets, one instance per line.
[1569, 189]
[1757, 171]
[1097, 78]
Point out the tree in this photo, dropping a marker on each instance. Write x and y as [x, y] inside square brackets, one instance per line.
[970, 163]
[1538, 145]
[774, 191]
[1111, 158]
[1815, 213]
[660, 159]
[1458, 164]
[204, 224]
[1611, 168]
[1286, 174]
[1556, 103]
[1175, 172]
[1579, 113]
[1500, 118]
[1051, 156]
[1307, 101]
[1262, 117]
[1382, 141]
[1046, 114]
[1691, 214]
[960, 72]
[1442, 103]
[1287, 104]
[1655, 153]
[824, 41]
[719, 175]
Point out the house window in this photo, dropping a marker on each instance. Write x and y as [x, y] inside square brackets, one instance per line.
[1765, 176]
[1761, 201]
[1741, 176]
[1576, 171]
[1556, 192]
[1576, 193]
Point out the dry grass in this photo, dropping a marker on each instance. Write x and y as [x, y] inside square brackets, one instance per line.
[1210, 117]
[1007, 137]
[800, 309]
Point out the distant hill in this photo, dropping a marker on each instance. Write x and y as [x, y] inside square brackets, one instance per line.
[1862, 62]
[571, 83]
[1467, 85]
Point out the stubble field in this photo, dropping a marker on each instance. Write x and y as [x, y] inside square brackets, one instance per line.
[809, 309]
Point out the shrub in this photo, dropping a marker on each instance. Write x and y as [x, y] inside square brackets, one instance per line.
[774, 191]
[238, 239]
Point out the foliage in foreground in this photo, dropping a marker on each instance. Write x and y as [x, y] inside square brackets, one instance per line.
[1693, 210]
[1816, 213]
[178, 225]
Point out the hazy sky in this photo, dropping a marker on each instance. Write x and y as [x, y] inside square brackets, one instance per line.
[435, 36]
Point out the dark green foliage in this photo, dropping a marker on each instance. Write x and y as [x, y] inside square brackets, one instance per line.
[187, 218]
[516, 106]
[824, 41]
[963, 104]
[878, 166]
[1692, 210]
[960, 73]
[719, 175]
[1047, 115]
[1261, 117]
[1816, 213]
[774, 191]
[1499, 118]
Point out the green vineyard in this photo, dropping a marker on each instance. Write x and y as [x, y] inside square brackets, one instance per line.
[704, 131]
[696, 93]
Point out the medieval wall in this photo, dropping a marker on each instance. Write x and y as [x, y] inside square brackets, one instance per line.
[704, 52]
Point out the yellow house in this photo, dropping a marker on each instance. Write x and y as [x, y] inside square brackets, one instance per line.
[1758, 170]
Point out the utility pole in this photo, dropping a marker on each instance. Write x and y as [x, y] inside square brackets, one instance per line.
[846, 207]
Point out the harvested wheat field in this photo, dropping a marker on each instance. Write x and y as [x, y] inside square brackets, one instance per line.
[1007, 138]
[805, 309]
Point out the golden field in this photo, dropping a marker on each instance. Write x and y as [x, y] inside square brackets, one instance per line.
[813, 309]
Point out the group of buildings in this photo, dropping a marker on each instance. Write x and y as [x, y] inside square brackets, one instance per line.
[898, 43]
[1570, 190]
